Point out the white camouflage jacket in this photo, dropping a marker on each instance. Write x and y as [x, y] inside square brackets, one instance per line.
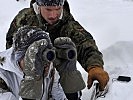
[12, 75]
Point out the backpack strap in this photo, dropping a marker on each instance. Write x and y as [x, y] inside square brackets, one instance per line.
[3, 86]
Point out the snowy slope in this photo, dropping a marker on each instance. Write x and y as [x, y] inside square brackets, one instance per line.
[120, 53]
[119, 61]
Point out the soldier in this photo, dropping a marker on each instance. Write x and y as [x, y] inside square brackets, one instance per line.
[54, 17]
[27, 70]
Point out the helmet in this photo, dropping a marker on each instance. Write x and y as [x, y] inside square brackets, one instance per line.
[25, 36]
[50, 2]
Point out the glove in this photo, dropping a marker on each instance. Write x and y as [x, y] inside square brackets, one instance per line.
[65, 63]
[66, 54]
[36, 57]
[97, 73]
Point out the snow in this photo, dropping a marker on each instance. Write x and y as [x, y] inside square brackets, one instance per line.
[110, 22]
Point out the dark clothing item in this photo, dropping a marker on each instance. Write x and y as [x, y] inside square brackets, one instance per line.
[74, 96]
[27, 99]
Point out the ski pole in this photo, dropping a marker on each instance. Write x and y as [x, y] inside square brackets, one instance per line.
[97, 93]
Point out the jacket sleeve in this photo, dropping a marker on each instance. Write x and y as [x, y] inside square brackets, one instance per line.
[57, 91]
[7, 96]
[87, 51]
[24, 17]
[5, 93]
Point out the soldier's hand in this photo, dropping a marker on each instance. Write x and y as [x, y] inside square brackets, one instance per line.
[97, 73]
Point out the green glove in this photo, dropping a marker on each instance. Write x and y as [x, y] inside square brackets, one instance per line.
[38, 55]
[65, 63]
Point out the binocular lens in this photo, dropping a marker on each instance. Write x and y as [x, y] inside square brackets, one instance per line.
[50, 55]
[71, 54]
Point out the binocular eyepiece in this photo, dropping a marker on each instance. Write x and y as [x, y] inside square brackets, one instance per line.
[68, 54]
[49, 55]
[65, 53]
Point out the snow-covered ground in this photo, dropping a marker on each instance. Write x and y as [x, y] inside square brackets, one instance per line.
[110, 22]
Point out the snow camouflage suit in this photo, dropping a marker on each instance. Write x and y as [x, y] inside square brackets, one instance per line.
[87, 51]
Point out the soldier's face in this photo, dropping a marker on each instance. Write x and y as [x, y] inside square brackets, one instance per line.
[51, 13]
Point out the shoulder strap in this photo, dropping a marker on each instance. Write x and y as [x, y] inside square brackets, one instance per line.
[3, 86]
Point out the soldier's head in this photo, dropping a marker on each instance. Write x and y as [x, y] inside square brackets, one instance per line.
[51, 10]
[31, 39]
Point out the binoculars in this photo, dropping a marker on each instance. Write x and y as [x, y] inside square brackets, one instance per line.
[49, 55]
[65, 53]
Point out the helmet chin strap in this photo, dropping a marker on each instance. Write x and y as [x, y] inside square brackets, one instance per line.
[37, 11]
[36, 8]
[61, 14]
